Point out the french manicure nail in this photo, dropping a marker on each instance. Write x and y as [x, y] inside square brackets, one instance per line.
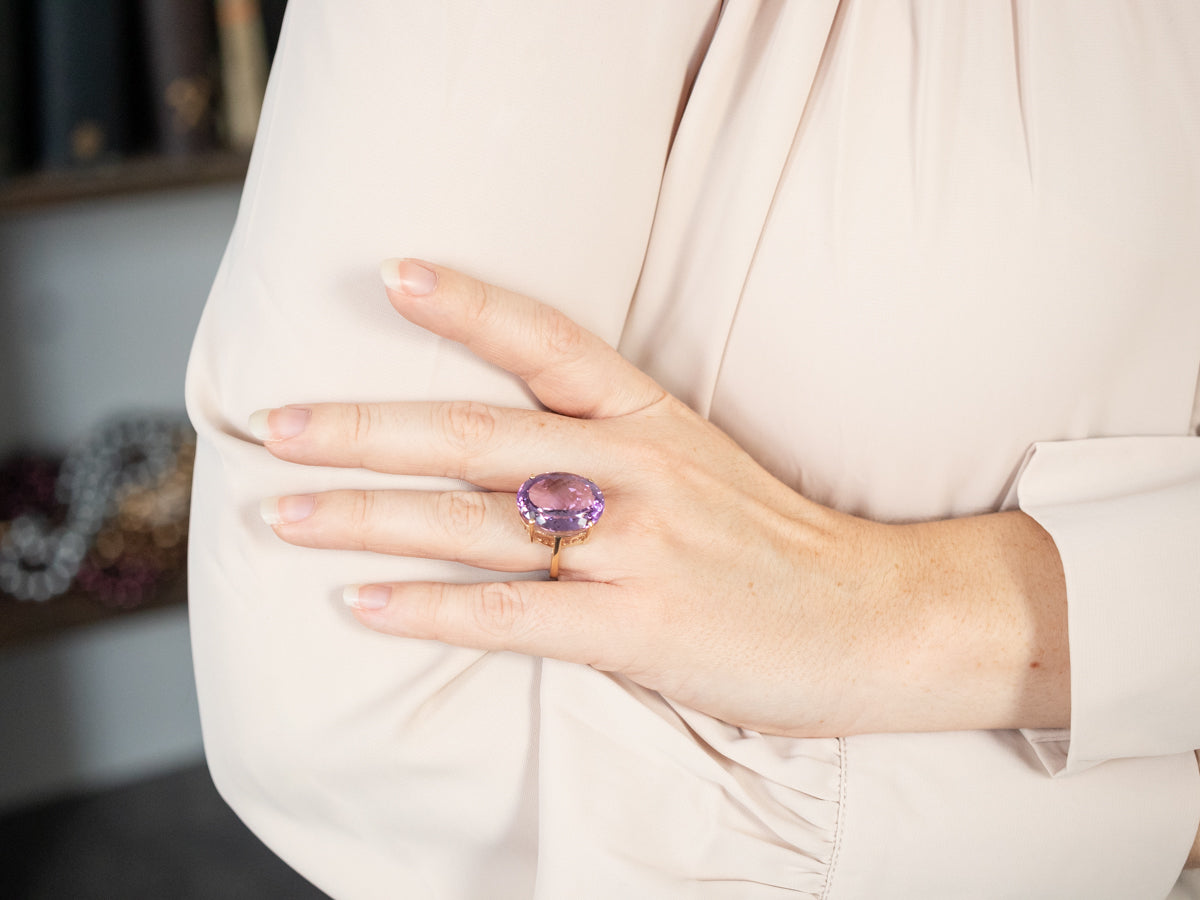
[366, 596]
[286, 510]
[279, 424]
[408, 277]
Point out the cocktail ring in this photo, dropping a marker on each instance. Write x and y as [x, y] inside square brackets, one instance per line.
[559, 509]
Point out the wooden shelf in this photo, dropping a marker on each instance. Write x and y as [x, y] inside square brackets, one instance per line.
[23, 622]
[133, 176]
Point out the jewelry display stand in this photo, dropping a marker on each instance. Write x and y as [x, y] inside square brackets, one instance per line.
[22, 621]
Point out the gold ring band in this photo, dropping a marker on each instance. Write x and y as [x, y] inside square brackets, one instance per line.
[555, 542]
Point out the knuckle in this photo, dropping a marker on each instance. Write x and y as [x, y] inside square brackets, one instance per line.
[362, 518]
[468, 423]
[461, 513]
[647, 529]
[478, 303]
[499, 608]
[659, 460]
[561, 336]
[633, 646]
[364, 418]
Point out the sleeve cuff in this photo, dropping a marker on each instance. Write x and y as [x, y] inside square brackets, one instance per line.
[1125, 516]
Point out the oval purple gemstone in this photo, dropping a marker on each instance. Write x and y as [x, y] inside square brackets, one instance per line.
[560, 502]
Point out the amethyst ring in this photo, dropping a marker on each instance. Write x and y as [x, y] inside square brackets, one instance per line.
[559, 509]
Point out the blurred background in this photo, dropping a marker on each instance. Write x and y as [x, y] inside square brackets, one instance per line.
[125, 129]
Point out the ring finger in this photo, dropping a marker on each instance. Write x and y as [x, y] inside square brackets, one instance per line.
[479, 528]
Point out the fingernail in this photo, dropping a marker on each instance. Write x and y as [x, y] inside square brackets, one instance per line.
[366, 596]
[286, 510]
[279, 424]
[408, 277]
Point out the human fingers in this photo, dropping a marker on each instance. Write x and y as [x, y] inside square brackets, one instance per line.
[586, 622]
[479, 528]
[568, 368]
[487, 446]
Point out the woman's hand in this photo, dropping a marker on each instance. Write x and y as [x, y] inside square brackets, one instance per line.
[707, 579]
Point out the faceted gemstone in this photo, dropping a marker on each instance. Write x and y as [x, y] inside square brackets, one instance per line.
[560, 502]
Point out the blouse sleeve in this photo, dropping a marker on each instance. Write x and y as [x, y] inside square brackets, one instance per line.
[1125, 515]
[523, 142]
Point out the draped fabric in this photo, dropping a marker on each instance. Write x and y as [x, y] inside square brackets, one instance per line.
[921, 260]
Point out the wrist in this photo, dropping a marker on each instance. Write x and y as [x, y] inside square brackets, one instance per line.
[972, 615]
[879, 625]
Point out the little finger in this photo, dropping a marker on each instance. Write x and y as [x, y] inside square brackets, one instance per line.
[580, 621]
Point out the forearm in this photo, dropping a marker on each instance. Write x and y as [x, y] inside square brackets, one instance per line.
[978, 626]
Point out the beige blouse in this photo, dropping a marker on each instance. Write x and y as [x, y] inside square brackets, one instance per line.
[920, 259]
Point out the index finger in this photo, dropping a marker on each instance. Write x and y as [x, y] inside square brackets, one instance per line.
[569, 369]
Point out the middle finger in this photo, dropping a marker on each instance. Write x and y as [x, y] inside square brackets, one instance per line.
[496, 448]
